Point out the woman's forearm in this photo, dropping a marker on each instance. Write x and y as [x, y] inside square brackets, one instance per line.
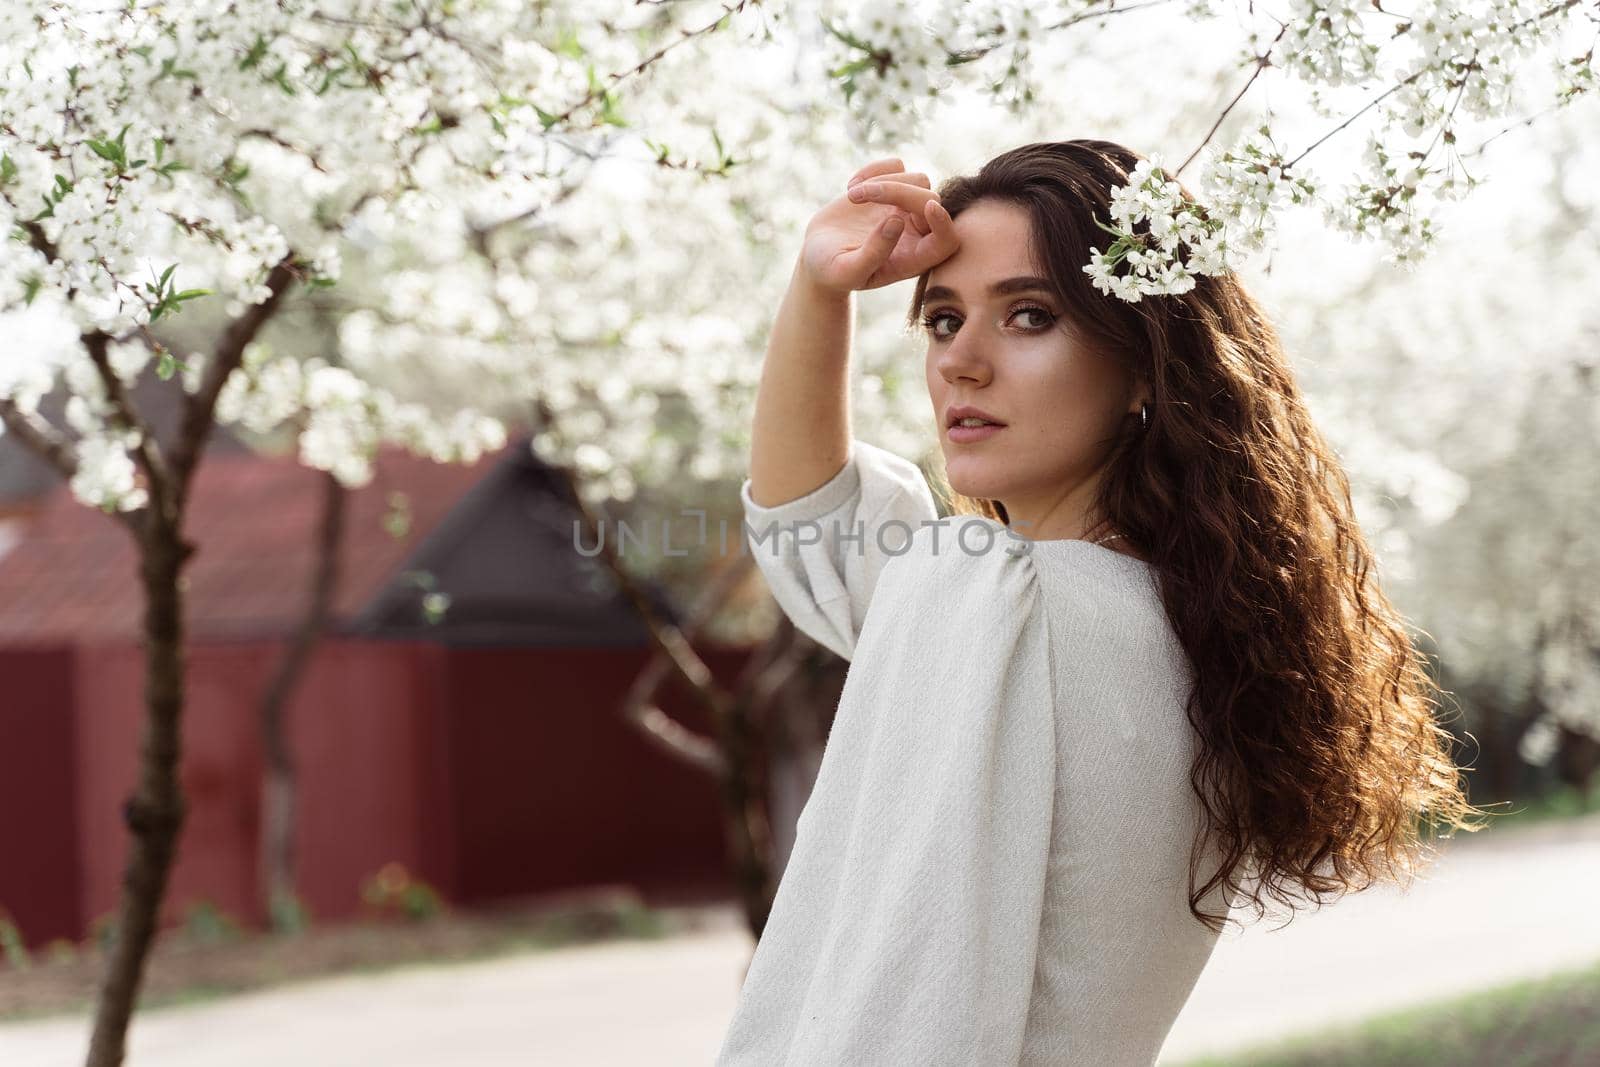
[801, 434]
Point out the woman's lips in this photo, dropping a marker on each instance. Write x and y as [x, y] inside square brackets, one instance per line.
[966, 435]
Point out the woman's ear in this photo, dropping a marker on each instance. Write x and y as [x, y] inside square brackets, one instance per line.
[1139, 392]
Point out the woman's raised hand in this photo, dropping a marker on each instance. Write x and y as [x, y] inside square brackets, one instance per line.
[889, 225]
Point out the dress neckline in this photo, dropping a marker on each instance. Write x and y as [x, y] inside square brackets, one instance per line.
[1091, 550]
[1088, 551]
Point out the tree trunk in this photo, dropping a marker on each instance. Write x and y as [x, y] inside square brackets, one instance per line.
[278, 896]
[155, 812]
[1577, 760]
[800, 718]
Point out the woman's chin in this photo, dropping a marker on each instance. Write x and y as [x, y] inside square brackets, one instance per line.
[968, 477]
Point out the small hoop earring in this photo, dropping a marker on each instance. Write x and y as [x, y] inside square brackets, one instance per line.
[1144, 415]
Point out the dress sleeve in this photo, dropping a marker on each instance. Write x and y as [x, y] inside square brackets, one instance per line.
[906, 926]
[822, 553]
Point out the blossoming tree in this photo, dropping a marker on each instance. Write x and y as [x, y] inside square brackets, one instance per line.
[153, 160]
[513, 181]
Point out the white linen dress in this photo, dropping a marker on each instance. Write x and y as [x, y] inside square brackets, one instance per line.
[992, 867]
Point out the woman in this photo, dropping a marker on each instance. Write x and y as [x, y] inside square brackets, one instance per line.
[1141, 669]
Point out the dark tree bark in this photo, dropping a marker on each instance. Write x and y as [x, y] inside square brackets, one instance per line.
[155, 812]
[736, 751]
[1577, 760]
[277, 861]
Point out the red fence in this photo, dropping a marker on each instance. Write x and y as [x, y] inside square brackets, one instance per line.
[490, 773]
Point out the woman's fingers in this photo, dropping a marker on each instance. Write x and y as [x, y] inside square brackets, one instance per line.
[938, 244]
[890, 165]
[909, 177]
[940, 224]
[862, 262]
[907, 196]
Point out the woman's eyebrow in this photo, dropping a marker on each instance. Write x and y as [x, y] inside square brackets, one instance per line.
[1026, 284]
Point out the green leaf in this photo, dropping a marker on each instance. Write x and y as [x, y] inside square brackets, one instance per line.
[852, 68]
[165, 365]
[280, 78]
[568, 45]
[258, 49]
[1108, 229]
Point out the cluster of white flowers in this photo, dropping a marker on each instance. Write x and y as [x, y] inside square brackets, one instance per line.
[1178, 240]
[106, 477]
[1326, 42]
[890, 64]
[1389, 204]
[1005, 35]
[1476, 48]
[1569, 686]
[1247, 186]
[1165, 239]
[361, 139]
[1435, 62]
[152, 156]
[340, 420]
[1573, 74]
[1571, 680]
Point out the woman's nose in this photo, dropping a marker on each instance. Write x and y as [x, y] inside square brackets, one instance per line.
[964, 359]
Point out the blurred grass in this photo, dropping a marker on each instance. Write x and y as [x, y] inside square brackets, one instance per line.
[188, 965]
[1563, 802]
[1545, 1022]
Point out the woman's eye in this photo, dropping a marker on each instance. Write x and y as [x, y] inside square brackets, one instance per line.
[1044, 316]
[931, 322]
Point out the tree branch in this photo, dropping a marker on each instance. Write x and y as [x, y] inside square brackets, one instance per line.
[43, 439]
[659, 727]
[147, 452]
[683, 36]
[1552, 10]
[1263, 61]
[200, 408]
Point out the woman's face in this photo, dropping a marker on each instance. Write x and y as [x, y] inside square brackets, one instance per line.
[998, 342]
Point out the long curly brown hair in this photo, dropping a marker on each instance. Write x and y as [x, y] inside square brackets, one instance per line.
[1322, 759]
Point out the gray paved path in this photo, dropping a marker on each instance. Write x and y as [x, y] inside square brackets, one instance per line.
[1502, 905]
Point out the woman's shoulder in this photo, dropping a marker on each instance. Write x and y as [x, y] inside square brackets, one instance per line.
[973, 558]
[963, 569]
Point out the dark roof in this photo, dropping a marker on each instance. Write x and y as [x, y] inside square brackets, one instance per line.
[72, 574]
[507, 558]
[495, 536]
[24, 477]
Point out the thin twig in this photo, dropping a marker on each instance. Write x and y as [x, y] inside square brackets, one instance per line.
[1370, 104]
[684, 35]
[146, 452]
[1553, 9]
[200, 408]
[1263, 61]
[43, 439]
